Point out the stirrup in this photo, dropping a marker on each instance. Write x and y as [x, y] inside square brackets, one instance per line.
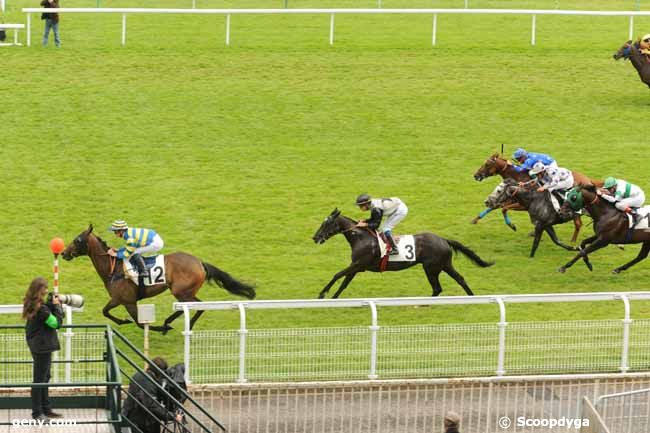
[394, 252]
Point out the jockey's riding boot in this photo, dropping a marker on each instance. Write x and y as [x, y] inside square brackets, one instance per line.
[393, 245]
[138, 261]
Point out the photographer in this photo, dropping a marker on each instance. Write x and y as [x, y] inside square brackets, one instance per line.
[43, 319]
[141, 406]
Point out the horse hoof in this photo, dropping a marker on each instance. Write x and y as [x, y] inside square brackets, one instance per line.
[436, 293]
[513, 227]
[562, 270]
[475, 220]
[616, 271]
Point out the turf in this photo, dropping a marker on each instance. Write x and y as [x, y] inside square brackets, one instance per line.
[236, 154]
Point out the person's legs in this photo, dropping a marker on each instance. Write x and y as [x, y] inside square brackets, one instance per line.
[41, 374]
[55, 28]
[48, 24]
[46, 406]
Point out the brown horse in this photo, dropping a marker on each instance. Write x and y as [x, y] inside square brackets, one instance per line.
[630, 51]
[184, 275]
[611, 226]
[496, 164]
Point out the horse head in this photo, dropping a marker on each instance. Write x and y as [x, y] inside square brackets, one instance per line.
[489, 168]
[328, 228]
[624, 51]
[502, 194]
[79, 246]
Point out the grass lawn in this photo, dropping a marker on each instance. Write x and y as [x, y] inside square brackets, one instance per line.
[236, 154]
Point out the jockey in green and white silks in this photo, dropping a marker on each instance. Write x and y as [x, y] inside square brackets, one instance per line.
[392, 208]
[552, 178]
[626, 196]
[139, 241]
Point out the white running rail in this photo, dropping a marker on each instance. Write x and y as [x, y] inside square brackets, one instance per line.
[527, 338]
[332, 12]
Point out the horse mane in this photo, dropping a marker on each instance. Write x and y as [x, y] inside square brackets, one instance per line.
[101, 241]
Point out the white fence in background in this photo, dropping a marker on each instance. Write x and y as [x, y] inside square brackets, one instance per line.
[412, 351]
[414, 406]
[14, 348]
[332, 12]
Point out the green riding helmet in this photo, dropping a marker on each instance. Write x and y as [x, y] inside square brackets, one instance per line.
[575, 199]
[609, 182]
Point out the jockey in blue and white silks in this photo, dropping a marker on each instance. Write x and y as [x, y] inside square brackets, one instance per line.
[528, 159]
[626, 196]
[552, 178]
[139, 241]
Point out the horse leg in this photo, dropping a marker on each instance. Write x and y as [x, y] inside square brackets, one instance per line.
[112, 303]
[551, 232]
[645, 249]
[432, 275]
[449, 269]
[338, 275]
[538, 236]
[600, 243]
[506, 218]
[344, 284]
[589, 240]
[577, 222]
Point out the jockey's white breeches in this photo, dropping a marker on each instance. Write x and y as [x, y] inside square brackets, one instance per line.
[563, 184]
[636, 201]
[155, 246]
[393, 219]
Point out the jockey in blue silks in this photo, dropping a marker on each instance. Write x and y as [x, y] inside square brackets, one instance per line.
[528, 159]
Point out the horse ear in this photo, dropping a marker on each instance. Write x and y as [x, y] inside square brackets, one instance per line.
[90, 228]
[337, 212]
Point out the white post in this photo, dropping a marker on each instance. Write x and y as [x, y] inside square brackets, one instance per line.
[435, 26]
[331, 29]
[373, 340]
[146, 343]
[193, 4]
[15, 36]
[2, 5]
[29, 27]
[228, 29]
[68, 343]
[532, 36]
[466, 4]
[242, 344]
[379, 4]
[627, 322]
[123, 29]
[502, 337]
[631, 27]
[187, 334]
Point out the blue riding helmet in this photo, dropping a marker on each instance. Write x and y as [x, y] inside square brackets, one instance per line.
[520, 153]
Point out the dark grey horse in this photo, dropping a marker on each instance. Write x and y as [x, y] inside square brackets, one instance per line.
[433, 252]
[540, 208]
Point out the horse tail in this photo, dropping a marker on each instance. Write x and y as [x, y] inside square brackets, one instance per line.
[457, 246]
[223, 279]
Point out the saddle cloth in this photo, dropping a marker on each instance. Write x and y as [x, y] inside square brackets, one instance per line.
[405, 247]
[155, 270]
[642, 217]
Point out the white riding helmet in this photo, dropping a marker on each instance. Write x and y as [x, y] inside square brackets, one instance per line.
[537, 168]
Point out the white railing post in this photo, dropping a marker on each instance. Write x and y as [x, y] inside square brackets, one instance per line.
[228, 29]
[435, 26]
[627, 322]
[187, 335]
[331, 29]
[123, 29]
[466, 4]
[532, 35]
[193, 4]
[502, 337]
[242, 343]
[29, 28]
[378, 4]
[373, 340]
[68, 334]
[631, 27]
[2, 5]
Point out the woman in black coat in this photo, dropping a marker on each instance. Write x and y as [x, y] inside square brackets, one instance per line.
[43, 319]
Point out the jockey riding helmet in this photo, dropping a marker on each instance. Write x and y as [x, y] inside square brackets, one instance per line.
[363, 199]
[537, 168]
[609, 182]
[118, 225]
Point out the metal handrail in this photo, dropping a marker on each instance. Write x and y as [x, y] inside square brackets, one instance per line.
[169, 379]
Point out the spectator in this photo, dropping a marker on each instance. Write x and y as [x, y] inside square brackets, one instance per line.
[451, 422]
[43, 319]
[143, 393]
[51, 22]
